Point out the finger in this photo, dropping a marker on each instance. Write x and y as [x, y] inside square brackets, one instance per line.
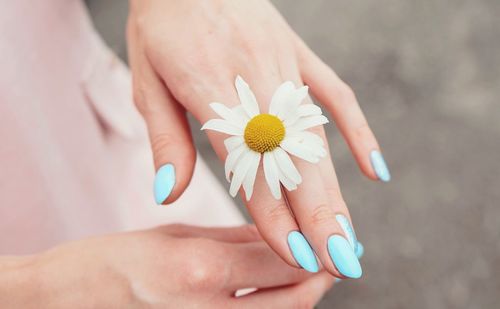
[304, 295]
[316, 207]
[244, 233]
[268, 208]
[258, 266]
[315, 213]
[173, 151]
[335, 198]
[341, 102]
[275, 223]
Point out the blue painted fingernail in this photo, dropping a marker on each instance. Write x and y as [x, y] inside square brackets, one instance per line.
[302, 252]
[360, 250]
[380, 166]
[343, 257]
[164, 183]
[348, 230]
[359, 253]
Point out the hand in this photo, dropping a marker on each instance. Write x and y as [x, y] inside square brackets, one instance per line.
[174, 266]
[186, 54]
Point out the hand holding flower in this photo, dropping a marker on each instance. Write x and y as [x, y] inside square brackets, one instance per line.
[186, 54]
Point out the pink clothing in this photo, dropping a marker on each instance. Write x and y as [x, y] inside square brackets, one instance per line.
[74, 155]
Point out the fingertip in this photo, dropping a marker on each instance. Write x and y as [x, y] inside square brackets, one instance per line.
[164, 183]
[379, 166]
[172, 179]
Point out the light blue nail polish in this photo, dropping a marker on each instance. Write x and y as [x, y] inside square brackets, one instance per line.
[380, 166]
[164, 183]
[359, 254]
[343, 257]
[348, 230]
[302, 252]
[360, 250]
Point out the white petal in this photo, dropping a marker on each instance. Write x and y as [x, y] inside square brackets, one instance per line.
[233, 142]
[306, 123]
[317, 150]
[291, 119]
[280, 97]
[286, 165]
[306, 135]
[299, 150]
[240, 172]
[249, 180]
[271, 174]
[305, 110]
[228, 114]
[223, 126]
[247, 98]
[232, 159]
[287, 183]
[238, 109]
[293, 102]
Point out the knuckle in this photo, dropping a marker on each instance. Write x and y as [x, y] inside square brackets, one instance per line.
[276, 212]
[345, 95]
[163, 140]
[203, 270]
[322, 214]
[140, 96]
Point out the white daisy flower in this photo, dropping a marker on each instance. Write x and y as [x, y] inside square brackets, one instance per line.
[273, 136]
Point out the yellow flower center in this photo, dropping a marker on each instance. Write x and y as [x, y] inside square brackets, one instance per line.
[264, 132]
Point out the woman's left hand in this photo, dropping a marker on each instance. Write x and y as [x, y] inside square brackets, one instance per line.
[186, 54]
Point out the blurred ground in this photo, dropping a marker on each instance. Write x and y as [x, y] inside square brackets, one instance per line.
[427, 74]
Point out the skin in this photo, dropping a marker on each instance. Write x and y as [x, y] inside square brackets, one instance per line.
[186, 54]
[139, 270]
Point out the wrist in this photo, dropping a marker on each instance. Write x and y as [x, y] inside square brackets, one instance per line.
[72, 276]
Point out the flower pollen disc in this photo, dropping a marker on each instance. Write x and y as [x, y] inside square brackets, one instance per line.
[264, 132]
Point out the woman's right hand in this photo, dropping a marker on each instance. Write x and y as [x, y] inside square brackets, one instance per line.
[173, 266]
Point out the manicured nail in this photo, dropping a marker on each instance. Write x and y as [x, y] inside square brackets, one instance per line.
[302, 252]
[164, 183]
[359, 254]
[360, 250]
[343, 257]
[348, 230]
[380, 166]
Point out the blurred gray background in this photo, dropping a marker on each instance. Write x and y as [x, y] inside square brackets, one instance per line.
[427, 74]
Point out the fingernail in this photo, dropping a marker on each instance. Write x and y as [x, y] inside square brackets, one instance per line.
[359, 253]
[343, 257]
[302, 252]
[348, 230]
[360, 250]
[380, 166]
[164, 183]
